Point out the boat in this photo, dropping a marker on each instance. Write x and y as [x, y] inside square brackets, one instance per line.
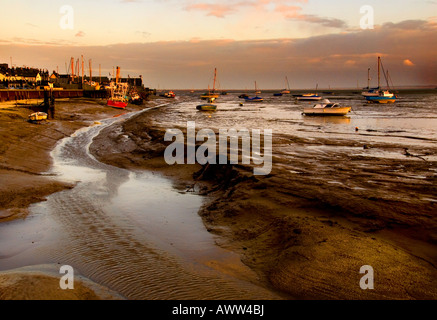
[327, 108]
[169, 94]
[211, 94]
[135, 98]
[38, 116]
[371, 92]
[243, 96]
[118, 97]
[256, 98]
[377, 95]
[309, 97]
[384, 96]
[286, 91]
[207, 106]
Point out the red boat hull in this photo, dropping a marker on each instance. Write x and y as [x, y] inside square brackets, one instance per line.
[117, 104]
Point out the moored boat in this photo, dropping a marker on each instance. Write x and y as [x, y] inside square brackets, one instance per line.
[327, 108]
[38, 116]
[118, 97]
[256, 98]
[169, 94]
[211, 94]
[377, 95]
[309, 97]
[382, 97]
[207, 106]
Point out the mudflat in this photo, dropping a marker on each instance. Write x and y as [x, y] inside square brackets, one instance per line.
[309, 226]
[306, 229]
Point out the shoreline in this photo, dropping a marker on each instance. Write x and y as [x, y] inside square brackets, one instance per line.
[299, 239]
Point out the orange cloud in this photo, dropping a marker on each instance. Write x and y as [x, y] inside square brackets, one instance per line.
[216, 10]
[408, 63]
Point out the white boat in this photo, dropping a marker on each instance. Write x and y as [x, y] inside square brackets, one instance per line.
[327, 108]
[38, 116]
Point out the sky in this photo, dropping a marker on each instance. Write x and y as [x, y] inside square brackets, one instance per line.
[176, 44]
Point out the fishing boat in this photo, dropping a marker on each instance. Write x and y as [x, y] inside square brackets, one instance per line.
[118, 97]
[207, 106]
[211, 94]
[327, 108]
[38, 116]
[377, 95]
[256, 98]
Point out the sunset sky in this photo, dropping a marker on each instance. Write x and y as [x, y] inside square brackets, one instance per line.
[178, 43]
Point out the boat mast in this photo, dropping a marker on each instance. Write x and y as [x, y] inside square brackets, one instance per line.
[215, 78]
[82, 67]
[379, 72]
[368, 78]
[91, 70]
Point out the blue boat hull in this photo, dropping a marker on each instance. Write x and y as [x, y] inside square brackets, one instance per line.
[381, 99]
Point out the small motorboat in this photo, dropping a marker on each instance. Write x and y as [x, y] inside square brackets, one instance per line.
[38, 116]
[327, 108]
[243, 96]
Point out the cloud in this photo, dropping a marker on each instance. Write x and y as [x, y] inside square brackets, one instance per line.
[338, 60]
[408, 63]
[216, 10]
[80, 34]
[284, 7]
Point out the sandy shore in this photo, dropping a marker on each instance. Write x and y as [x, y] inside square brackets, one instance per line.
[303, 235]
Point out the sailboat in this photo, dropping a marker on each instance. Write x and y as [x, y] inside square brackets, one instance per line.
[381, 96]
[256, 98]
[207, 106]
[371, 92]
[286, 91]
[211, 95]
